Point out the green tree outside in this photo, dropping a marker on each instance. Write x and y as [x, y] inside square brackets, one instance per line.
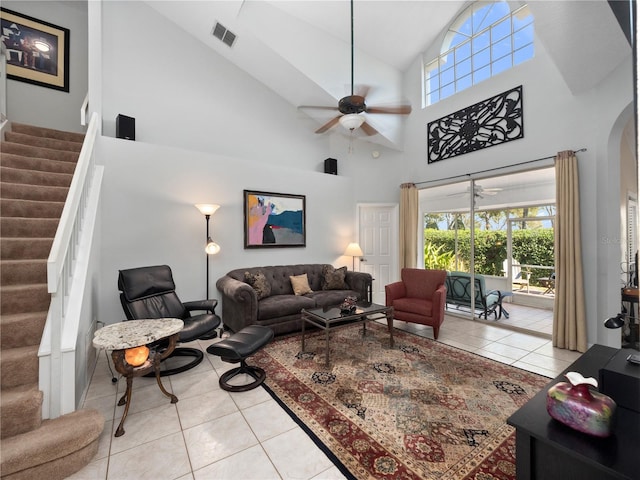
[530, 247]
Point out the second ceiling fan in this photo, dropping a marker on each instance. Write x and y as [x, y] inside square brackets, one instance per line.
[353, 106]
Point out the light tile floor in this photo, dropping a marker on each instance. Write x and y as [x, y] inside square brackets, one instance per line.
[214, 434]
[521, 318]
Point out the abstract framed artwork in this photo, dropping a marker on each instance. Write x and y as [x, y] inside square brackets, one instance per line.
[491, 122]
[37, 51]
[274, 220]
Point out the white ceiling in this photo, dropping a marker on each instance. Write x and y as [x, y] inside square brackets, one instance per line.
[301, 49]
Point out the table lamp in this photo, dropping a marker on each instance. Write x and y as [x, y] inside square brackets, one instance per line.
[353, 250]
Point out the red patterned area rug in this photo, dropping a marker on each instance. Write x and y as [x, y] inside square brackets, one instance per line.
[420, 410]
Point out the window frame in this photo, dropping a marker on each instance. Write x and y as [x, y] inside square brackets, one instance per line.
[475, 48]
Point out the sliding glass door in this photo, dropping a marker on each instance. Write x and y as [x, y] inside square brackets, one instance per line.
[499, 229]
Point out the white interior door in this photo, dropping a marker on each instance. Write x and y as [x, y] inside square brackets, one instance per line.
[378, 238]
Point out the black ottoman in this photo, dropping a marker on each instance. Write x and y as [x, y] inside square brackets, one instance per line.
[237, 348]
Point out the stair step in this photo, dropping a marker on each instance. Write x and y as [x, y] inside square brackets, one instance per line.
[17, 207]
[42, 142]
[17, 272]
[21, 329]
[20, 410]
[36, 168]
[33, 192]
[28, 227]
[24, 298]
[59, 448]
[22, 248]
[13, 160]
[47, 132]
[18, 366]
[34, 177]
[39, 152]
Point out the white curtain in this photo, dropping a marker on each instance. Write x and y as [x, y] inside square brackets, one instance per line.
[569, 319]
[408, 225]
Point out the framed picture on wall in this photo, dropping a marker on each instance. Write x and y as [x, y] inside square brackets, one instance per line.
[37, 51]
[274, 220]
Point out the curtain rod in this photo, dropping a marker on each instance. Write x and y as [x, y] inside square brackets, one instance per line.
[466, 175]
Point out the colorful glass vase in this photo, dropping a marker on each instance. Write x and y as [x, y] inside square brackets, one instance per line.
[581, 408]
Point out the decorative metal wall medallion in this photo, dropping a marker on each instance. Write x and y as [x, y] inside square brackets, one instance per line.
[490, 122]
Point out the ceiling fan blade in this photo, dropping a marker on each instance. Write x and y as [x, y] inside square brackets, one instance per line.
[361, 90]
[398, 109]
[318, 107]
[328, 125]
[368, 129]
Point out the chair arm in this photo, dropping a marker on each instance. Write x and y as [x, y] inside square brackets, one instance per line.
[394, 291]
[439, 300]
[207, 305]
[360, 282]
[500, 296]
[239, 303]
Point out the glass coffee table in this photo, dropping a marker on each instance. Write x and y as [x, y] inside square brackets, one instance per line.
[330, 318]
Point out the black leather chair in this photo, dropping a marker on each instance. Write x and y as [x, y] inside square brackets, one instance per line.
[149, 292]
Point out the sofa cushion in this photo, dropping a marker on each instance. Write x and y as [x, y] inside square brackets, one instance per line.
[326, 298]
[282, 305]
[333, 278]
[300, 284]
[278, 276]
[259, 283]
[414, 305]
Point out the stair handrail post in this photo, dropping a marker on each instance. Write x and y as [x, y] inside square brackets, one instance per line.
[84, 109]
[60, 266]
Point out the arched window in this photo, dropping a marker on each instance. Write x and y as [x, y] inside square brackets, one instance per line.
[484, 40]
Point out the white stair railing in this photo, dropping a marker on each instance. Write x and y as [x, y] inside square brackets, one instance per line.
[57, 375]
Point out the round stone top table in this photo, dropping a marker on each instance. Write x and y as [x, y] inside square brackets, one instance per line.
[118, 337]
[133, 333]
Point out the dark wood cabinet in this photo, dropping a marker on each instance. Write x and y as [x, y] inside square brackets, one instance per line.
[547, 449]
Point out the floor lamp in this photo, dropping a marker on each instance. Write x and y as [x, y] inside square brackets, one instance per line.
[353, 250]
[211, 247]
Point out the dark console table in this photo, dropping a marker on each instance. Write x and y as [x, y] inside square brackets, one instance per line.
[547, 449]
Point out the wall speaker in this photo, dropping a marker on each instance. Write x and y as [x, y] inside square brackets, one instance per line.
[331, 166]
[125, 127]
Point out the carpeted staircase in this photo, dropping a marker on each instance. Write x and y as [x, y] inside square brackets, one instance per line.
[36, 167]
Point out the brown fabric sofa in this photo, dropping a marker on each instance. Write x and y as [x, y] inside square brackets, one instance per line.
[281, 309]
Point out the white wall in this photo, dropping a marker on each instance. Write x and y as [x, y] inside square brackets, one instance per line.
[192, 99]
[149, 217]
[554, 120]
[42, 106]
[185, 95]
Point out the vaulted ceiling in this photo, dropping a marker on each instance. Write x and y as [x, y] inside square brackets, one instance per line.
[301, 49]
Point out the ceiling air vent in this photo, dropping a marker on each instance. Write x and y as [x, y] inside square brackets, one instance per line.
[224, 35]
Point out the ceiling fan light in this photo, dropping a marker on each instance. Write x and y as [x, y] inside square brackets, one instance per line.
[42, 45]
[351, 121]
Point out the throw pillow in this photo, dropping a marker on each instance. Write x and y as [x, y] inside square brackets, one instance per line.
[300, 284]
[333, 278]
[259, 283]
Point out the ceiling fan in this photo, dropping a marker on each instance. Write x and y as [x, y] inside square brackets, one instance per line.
[478, 191]
[353, 106]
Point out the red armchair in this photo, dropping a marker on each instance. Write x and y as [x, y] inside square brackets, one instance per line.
[419, 297]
